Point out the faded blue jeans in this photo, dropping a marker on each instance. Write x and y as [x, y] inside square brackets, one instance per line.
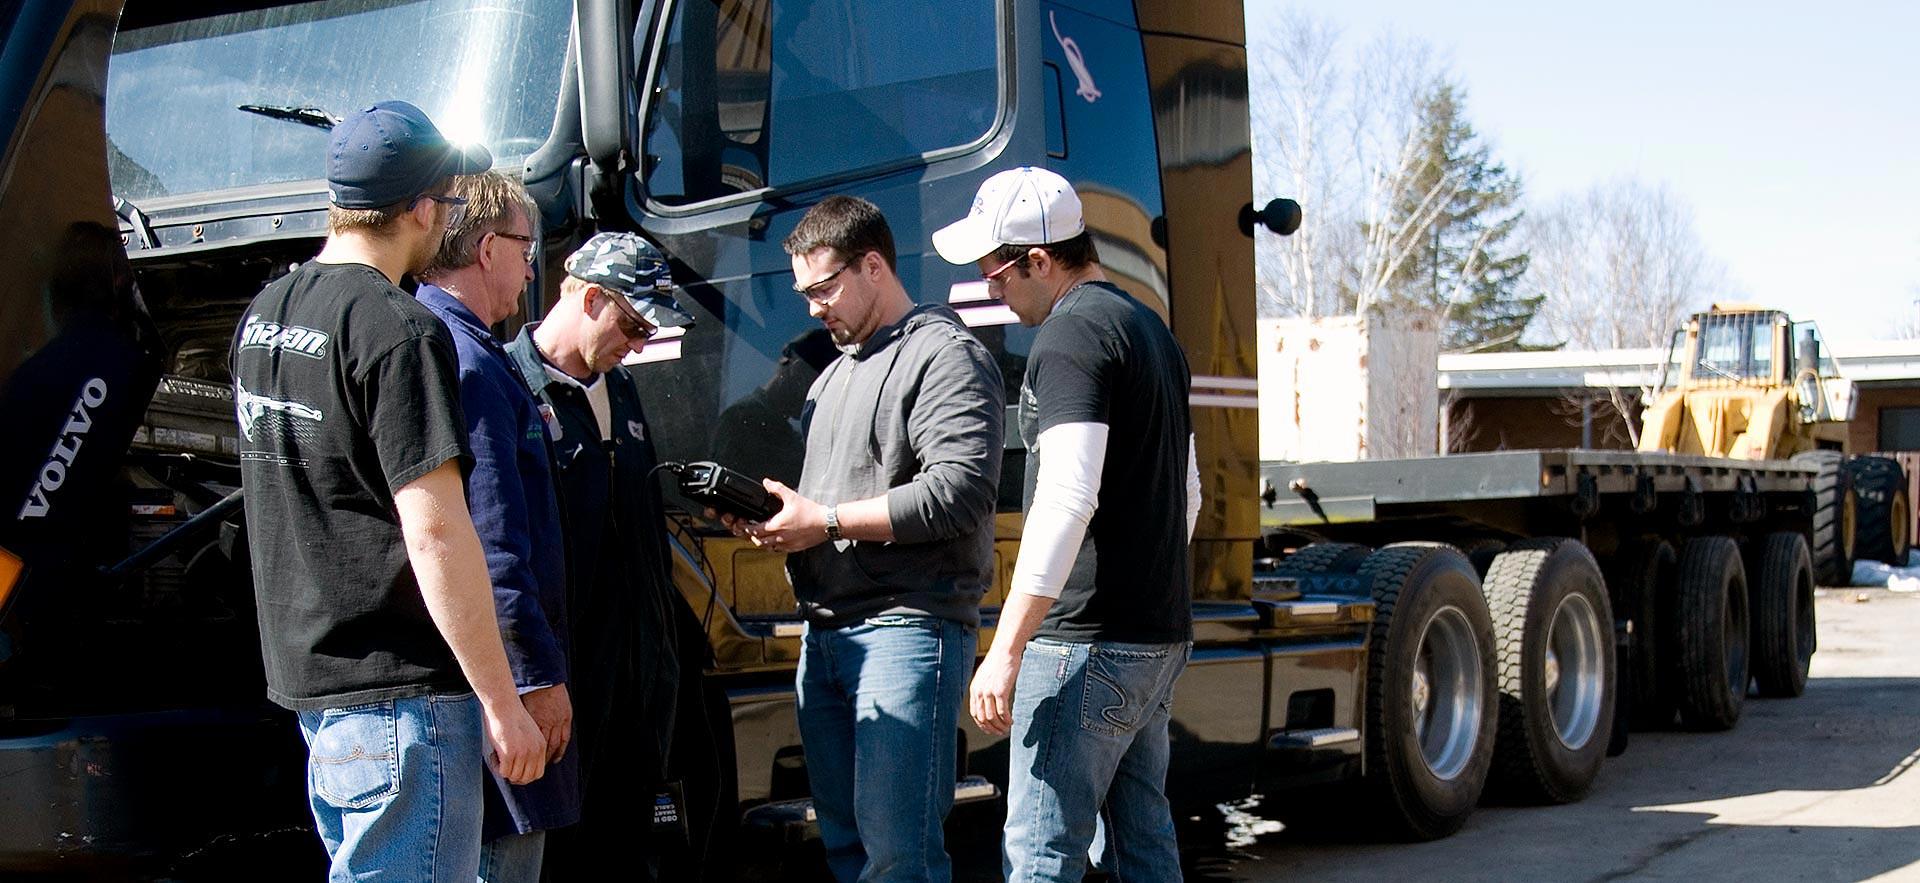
[1089, 749]
[878, 706]
[395, 787]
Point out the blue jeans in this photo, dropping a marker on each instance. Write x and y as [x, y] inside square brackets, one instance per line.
[395, 787]
[1089, 749]
[878, 707]
[514, 858]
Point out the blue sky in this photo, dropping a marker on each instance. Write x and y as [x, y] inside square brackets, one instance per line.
[1792, 129]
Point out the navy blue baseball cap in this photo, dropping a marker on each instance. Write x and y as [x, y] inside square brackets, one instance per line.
[390, 153]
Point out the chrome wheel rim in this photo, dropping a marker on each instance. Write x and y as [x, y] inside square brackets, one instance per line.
[1445, 693]
[1574, 675]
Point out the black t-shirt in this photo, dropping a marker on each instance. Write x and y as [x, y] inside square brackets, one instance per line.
[347, 390]
[1103, 357]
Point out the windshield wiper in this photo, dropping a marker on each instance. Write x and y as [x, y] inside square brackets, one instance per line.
[305, 114]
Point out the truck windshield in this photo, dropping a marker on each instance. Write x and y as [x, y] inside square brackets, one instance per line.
[485, 70]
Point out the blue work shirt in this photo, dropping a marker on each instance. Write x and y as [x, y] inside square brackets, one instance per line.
[512, 497]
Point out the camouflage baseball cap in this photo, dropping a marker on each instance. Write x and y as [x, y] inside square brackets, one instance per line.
[630, 265]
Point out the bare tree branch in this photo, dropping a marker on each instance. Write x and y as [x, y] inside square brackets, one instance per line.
[1621, 266]
[1347, 146]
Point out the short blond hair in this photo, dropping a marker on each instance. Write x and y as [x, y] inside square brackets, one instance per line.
[377, 220]
[491, 198]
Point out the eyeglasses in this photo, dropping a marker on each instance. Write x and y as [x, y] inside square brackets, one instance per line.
[993, 279]
[456, 205]
[817, 292]
[632, 324]
[527, 252]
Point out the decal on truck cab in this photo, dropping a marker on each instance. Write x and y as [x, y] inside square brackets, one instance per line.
[53, 473]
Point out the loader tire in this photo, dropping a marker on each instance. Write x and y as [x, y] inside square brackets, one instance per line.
[1832, 543]
[1882, 513]
[1430, 692]
[1641, 576]
[1553, 628]
[1707, 634]
[1783, 619]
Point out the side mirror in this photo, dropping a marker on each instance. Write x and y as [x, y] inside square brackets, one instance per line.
[1282, 216]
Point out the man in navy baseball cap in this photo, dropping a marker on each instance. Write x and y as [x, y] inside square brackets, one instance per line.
[377, 611]
[390, 153]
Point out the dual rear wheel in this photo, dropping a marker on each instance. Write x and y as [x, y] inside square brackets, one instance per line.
[1507, 685]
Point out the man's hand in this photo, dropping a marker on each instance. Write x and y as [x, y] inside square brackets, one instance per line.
[552, 711]
[800, 524]
[519, 752]
[990, 699]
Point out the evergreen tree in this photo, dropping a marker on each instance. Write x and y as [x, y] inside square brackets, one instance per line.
[1465, 268]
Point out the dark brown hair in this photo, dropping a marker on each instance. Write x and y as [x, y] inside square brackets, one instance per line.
[849, 225]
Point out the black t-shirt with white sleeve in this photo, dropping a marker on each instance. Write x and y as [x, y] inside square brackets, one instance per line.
[347, 390]
[1103, 357]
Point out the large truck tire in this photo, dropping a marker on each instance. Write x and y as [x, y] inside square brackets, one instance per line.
[1642, 577]
[1430, 692]
[1553, 631]
[1882, 514]
[1318, 558]
[1783, 620]
[1706, 635]
[1833, 517]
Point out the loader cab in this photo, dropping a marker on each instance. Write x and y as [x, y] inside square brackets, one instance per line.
[1740, 348]
[1746, 382]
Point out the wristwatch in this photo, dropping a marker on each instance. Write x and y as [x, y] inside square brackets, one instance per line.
[833, 523]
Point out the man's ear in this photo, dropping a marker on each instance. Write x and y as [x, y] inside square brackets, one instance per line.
[482, 255]
[422, 212]
[1040, 261]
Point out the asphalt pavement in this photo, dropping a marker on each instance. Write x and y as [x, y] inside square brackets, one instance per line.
[1815, 788]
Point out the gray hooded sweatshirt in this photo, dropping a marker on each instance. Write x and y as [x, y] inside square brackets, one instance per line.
[915, 413]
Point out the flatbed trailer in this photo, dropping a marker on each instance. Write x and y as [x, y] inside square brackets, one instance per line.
[1530, 605]
[1595, 496]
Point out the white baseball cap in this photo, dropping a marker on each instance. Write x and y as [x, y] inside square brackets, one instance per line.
[1023, 206]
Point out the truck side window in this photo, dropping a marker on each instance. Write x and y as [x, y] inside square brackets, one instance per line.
[758, 93]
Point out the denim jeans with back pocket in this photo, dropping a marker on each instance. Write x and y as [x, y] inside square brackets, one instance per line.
[1089, 750]
[396, 788]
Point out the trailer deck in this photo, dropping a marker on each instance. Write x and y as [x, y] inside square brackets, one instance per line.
[1308, 494]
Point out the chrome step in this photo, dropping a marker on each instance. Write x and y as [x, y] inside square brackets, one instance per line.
[1319, 738]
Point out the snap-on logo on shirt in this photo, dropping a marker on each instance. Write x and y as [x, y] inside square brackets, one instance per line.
[286, 338]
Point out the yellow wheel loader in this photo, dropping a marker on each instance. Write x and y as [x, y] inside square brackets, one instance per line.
[1748, 383]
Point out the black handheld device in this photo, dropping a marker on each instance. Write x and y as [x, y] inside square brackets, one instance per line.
[724, 490]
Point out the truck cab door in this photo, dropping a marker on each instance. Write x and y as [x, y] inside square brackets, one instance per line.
[749, 114]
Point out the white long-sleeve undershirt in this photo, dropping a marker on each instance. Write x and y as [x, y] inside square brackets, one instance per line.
[1065, 495]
